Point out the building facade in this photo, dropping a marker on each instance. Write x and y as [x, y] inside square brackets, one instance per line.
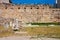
[58, 3]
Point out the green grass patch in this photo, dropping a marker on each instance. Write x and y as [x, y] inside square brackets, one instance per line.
[49, 23]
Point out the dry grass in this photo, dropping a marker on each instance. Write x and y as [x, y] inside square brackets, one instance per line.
[5, 32]
[49, 31]
[42, 30]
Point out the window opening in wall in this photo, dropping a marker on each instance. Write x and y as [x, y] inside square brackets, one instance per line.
[31, 8]
[18, 7]
[5, 7]
[43, 8]
[37, 8]
[24, 7]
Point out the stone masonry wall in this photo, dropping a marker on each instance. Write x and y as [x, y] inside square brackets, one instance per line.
[30, 13]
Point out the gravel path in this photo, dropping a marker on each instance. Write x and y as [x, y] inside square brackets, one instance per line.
[24, 38]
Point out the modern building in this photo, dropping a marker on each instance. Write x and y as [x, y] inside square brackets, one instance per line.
[58, 3]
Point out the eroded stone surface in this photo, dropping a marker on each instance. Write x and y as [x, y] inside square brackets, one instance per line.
[30, 13]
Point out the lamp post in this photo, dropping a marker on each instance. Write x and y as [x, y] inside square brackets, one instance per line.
[56, 3]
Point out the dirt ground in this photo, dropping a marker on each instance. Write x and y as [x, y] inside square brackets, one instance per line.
[25, 38]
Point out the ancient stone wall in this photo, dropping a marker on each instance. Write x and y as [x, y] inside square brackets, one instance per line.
[4, 1]
[30, 13]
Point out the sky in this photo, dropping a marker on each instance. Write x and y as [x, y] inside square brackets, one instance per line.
[33, 1]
